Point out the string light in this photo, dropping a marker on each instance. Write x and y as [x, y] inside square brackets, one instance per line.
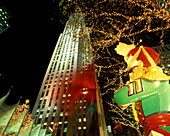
[107, 28]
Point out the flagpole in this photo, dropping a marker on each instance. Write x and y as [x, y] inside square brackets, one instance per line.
[101, 117]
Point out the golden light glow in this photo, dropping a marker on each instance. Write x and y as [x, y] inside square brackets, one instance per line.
[27, 101]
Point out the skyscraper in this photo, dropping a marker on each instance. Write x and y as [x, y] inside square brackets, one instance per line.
[66, 102]
[5, 16]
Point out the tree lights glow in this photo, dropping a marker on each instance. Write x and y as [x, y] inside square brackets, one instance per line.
[137, 22]
[17, 120]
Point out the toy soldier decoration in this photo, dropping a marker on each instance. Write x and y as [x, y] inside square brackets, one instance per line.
[148, 91]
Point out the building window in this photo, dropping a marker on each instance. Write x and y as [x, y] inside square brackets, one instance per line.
[53, 114]
[61, 114]
[40, 116]
[47, 92]
[66, 114]
[65, 129]
[65, 122]
[45, 123]
[58, 91]
[84, 119]
[79, 128]
[47, 114]
[55, 107]
[57, 97]
[84, 127]
[79, 119]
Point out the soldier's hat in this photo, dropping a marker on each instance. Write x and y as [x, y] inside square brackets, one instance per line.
[147, 55]
[150, 58]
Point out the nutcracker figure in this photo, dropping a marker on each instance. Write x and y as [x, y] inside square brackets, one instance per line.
[148, 90]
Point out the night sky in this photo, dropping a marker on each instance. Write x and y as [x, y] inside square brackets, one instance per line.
[26, 48]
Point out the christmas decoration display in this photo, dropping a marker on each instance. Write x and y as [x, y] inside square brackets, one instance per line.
[148, 91]
[16, 120]
[137, 22]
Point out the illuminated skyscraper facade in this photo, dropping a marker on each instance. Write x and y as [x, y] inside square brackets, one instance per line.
[5, 16]
[57, 108]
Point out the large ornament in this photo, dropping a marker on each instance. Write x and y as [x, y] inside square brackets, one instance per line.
[148, 91]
